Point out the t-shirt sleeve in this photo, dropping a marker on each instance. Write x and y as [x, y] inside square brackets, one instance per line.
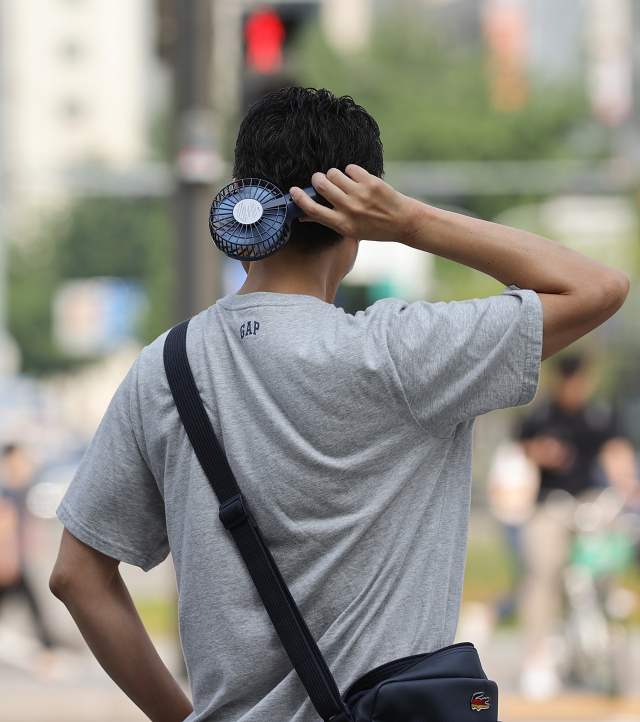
[458, 360]
[113, 503]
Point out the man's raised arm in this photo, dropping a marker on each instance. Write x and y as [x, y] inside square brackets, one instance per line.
[577, 293]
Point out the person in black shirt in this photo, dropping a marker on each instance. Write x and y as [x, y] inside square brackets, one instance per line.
[579, 448]
[567, 436]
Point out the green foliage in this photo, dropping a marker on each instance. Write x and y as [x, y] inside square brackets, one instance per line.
[454, 282]
[128, 238]
[433, 103]
[490, 570]
[161, 136]
[31, 284]
[103, 238]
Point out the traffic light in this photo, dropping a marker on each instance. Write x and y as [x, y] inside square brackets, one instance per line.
[269, 34]
[264, 36]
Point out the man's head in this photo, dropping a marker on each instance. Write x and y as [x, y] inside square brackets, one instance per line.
[575, 382]
[293, 133]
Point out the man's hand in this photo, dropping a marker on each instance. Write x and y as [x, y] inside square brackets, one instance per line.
[550, 453]
[576, 292]
[364, 206]
[91, 587]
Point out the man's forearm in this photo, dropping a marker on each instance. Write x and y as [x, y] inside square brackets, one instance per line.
[115, 634]
[577, 292]
[89, 584]
[510, 255]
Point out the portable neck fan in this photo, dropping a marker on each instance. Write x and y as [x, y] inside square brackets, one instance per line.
[250, 218]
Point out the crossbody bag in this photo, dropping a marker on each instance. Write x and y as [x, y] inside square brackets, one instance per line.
[448, 685]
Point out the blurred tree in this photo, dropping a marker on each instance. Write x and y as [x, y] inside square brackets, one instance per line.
[431, 98]
[128, 238]
[433, 103]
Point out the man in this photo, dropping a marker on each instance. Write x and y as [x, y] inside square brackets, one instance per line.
[350, 436]
[574, 442]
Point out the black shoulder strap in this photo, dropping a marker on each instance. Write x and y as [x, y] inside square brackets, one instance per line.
[234, 514]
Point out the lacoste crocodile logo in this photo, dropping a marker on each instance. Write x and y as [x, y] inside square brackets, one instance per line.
[480, 701]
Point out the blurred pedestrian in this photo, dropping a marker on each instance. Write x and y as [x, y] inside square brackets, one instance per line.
[16, 475]
[579, 448]
[512, 488]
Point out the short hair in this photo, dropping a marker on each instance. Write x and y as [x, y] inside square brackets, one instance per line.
[290, 134]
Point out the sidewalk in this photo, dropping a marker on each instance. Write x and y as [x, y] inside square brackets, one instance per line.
[24, 700]
[571, 706]
[70, 687]
[79, 691]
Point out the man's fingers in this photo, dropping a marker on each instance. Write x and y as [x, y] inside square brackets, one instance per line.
[338, 178]
[356, 173]
[346, 193]
[327, 189]
[312, 210]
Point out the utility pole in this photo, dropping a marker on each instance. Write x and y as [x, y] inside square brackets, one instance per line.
[198, 159]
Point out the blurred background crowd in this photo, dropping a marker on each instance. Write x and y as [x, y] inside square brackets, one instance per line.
[117, 125]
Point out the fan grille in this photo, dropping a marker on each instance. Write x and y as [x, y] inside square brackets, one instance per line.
[252, 241]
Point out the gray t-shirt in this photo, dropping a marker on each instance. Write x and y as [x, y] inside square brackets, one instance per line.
[350, 436]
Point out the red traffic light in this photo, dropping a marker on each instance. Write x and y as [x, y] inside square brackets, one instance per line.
[264, 35]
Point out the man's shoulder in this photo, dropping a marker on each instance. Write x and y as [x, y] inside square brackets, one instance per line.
[147, 371]
[153, 353]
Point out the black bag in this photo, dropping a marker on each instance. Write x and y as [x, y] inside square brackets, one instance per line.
[447, 685]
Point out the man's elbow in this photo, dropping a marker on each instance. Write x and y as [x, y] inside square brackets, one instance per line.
[61, 583]
[80, 570]
[68, 581]
[613, 289]
[592, 300]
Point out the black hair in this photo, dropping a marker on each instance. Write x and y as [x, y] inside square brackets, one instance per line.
[8, 449]
[290, 134]
[570, 364]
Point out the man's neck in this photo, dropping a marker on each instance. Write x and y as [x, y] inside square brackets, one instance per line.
[289, 271]
[296, 285]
